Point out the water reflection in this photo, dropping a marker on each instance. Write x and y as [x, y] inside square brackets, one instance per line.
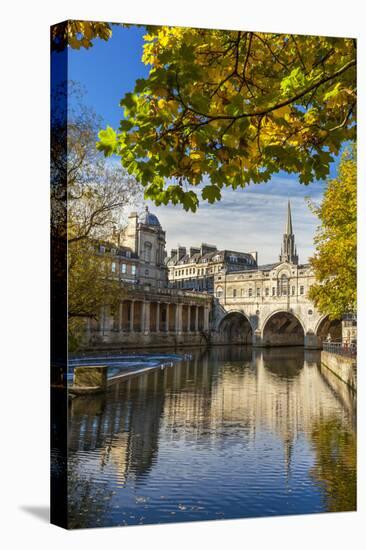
[233, 432]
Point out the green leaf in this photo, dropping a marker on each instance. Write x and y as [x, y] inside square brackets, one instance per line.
[108, 141]
[211, 193]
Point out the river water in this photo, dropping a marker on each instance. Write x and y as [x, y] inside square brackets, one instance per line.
[230, 433]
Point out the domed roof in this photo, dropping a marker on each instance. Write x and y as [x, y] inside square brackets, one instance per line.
[149, 219]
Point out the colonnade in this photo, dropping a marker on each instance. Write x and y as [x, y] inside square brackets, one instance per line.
[147, 317]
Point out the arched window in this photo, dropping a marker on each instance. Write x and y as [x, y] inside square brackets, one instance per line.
[283, 290]
[219, 292]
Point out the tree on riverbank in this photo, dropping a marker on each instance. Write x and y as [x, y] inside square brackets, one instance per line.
[92, 207]
[335, 260]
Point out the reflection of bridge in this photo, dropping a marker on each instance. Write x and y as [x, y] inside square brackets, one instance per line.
[281, 390]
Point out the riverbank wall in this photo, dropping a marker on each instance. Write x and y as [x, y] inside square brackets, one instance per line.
[117, 342]
[343, 367]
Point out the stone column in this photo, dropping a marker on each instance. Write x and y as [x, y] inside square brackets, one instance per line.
[189, 318]
[167, 318]
[205, 319]
[196, 319]
[158, 317]
[147, 317]
[132, 312]
[120, 317]
[178, 318]
[142, 319]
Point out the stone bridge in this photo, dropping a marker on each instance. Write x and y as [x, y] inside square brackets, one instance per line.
[282, 322]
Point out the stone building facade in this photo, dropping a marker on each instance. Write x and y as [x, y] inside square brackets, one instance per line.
[212, 296]
[195, 269]
[120, 262]
[150, 314]
[145, 238]
[269, 305]
[155, 317]
[137, 254]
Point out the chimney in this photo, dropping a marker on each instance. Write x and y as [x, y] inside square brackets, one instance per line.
[254, 256]
[194, 250]
[182, 251]
[129, 236]
[206, 248]
[173, 252]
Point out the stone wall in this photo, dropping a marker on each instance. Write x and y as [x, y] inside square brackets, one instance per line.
[343, 367]
[117, 341]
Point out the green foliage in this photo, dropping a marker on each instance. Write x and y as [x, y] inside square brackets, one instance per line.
[108, 141]
[335, 468]
[234, 108]
[335, 260]
[78, 34]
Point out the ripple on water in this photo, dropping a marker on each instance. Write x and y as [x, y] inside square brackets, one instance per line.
[217, 436]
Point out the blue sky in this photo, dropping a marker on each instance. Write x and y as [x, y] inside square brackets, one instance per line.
[246, 219]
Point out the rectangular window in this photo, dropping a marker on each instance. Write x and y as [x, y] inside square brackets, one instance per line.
[301, 290]
[273, 291]
[133, 270]
[123, 268]
[102, 249]
[258, 291]
[267, 291]
[293, 291]
[113, 267]
[234, 293]
[250, 292]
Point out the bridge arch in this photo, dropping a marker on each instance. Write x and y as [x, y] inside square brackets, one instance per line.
[283, 328]
[327, 327]
[235, 328]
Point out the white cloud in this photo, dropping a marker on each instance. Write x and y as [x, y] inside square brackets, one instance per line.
[247, 219]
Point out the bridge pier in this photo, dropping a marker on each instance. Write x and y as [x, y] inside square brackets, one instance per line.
[311, 341]
[257, 341]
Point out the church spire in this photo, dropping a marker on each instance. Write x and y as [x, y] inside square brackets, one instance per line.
[289, 220]
[288, 248]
